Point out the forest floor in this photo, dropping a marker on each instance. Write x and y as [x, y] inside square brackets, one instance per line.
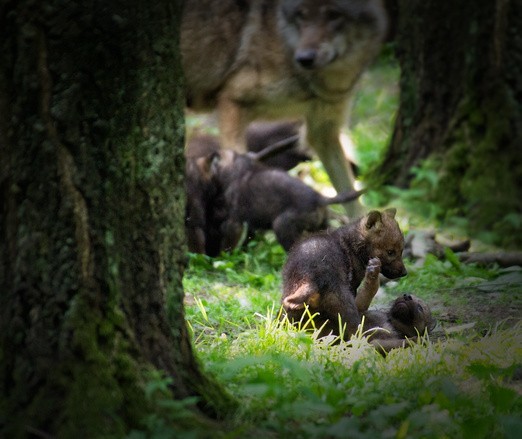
[464, 380]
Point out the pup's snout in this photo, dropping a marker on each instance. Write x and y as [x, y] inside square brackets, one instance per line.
[407, 297]
[306, 58]
[394, 271]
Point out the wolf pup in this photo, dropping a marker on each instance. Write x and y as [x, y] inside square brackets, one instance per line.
[325, 271]
[407, 317]
[203, 215]
[268, 198]
[274, 143]
[281, 59]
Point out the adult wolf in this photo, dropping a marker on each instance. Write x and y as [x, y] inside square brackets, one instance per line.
[280, 59]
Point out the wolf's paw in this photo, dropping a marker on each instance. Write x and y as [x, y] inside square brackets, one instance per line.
[374, 268]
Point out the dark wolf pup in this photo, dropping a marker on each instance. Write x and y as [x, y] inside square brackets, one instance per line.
[406, 319]
[203, 218]
[281, 59]
[271, 143]
[266, 198]
[325, 271]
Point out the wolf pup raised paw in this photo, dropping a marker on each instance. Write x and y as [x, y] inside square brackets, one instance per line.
[325, 271]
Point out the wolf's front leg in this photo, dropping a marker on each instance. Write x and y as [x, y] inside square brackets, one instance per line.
[233, 122]
[323, 129]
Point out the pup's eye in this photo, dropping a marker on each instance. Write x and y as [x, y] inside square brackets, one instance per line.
[420, 308]
[391, 252]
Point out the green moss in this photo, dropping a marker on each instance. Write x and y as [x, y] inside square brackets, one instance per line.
[100, 376]
[479, 176]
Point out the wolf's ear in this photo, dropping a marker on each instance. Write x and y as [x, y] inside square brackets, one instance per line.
[373, 219]
[390, 212]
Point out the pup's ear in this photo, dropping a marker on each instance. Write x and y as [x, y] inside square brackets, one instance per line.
[373, 219]
[213, 162]
[390, 212]
[207, 165]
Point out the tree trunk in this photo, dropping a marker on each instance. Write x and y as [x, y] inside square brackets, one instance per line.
[461, 107]
[92, 236]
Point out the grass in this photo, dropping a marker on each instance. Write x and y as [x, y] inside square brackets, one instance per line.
[463, 382]
[289, 383]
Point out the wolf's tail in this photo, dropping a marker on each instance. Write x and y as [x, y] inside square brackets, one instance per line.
[343, 197]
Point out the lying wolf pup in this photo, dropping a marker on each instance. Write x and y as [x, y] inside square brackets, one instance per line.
[407, 318]
[325, 271]
[268, 198]
[276, 59]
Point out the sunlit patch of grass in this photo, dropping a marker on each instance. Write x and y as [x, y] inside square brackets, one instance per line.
[291, 383]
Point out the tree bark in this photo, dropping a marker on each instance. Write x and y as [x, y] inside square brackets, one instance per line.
[92, 236]
[461, 107]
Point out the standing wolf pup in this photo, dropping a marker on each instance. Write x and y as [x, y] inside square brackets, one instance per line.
[325, 271]
[266, 198]
[206, 208]
[406, 318]
[280, 59]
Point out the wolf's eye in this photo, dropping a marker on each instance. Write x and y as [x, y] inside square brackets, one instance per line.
[420, 308]
[334, 17]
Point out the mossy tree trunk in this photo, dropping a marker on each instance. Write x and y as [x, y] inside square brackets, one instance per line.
[92, 238]
[461, 106]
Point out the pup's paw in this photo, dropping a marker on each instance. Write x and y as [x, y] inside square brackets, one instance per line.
[374, 268]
